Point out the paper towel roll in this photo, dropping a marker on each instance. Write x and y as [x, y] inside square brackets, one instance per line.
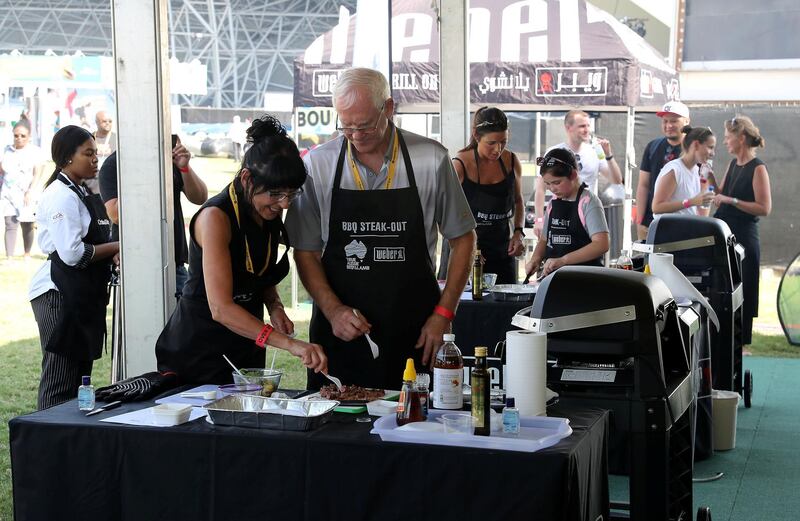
[661, 266]
[526, 373]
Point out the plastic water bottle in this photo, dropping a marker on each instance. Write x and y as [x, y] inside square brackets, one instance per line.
[707, 205]
[86, 394]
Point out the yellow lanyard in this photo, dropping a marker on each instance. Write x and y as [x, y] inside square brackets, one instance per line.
[247, 260]
[392, 164]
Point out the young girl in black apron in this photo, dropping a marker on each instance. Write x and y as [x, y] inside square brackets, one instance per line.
[568, 241]
[496, 202]
[72, 317]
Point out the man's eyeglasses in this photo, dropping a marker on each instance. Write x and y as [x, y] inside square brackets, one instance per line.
[364, 130]
[549, 161]
[278, 196]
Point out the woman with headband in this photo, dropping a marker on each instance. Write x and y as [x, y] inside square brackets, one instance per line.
[490, 175]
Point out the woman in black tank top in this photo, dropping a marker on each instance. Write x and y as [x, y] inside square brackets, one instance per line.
[744, 197]
[235, 266]
[490, 175]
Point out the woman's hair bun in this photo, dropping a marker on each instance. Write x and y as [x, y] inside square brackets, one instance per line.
[686, 129]
[265, 127]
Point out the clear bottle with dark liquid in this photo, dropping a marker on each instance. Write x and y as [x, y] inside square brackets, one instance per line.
[448, 375]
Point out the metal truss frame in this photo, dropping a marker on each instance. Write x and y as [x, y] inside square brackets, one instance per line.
[248, 45]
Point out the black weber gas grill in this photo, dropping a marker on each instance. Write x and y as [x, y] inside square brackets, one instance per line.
[614, 342]
[706, 252]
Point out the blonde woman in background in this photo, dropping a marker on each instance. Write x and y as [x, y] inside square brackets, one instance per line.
[743, 198]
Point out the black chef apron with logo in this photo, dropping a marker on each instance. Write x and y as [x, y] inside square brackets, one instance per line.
[192, 343]
[81, 322]
[492, 206]
[565, 231]
[376, 260]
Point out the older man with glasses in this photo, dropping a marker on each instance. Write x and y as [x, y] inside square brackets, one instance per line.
[365, 231]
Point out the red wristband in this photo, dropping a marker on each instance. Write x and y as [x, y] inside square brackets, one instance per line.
[444, 312]
[262, 337]
[184, 170]
[686, 203]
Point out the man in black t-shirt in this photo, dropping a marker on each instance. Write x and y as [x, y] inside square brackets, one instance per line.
[184, 179]
[674, 116]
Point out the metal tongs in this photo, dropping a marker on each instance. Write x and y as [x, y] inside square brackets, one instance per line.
[534, 272]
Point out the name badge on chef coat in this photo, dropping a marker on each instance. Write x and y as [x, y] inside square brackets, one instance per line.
[561, 239]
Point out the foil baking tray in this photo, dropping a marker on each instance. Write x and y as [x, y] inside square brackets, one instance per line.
[259, 412]
[514, 292]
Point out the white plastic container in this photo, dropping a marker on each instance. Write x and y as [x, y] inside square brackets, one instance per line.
[171, 413]
[536, 432]
[724, 406]
[381, 407]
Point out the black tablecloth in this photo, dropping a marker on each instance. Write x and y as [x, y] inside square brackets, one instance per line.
[66, 466]
[484, 322]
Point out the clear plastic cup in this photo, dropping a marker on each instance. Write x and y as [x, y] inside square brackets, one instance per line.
[457, 423]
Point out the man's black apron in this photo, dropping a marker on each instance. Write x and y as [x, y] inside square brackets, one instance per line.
[376, 260]
[565, 231]
[492, 206]
[192, 343]
[81, 322]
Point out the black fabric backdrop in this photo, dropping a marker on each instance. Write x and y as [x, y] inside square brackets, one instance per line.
[66, 466]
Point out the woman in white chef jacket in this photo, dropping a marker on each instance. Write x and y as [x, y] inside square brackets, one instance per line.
[68, 293]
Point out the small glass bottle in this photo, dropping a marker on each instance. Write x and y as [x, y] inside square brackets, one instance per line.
[510, 418]
[624, 261]
[86, 394]
[477, 276]
[408, 407]
[481, 401]
[423, 391]
[448, 375]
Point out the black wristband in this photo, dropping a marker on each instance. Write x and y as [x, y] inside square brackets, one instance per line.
[609, 158]
[519, 229]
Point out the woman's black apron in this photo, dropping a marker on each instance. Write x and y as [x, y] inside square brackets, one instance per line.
[492, 206]
[192, 343]
[739, 184]
[81, 322]
[376, 260]
[565, 231]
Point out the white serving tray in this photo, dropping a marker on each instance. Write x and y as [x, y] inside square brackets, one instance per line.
[536, 432]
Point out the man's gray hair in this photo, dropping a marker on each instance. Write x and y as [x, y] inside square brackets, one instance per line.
[344, 94]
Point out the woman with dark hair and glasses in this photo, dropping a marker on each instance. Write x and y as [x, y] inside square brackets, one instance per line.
[68, 293]
[235, 265]
[575, 229]
[679, 187]
[744, 197]
[490, 175]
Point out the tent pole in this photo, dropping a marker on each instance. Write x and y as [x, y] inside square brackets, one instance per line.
[453, 75]
[630, 164]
